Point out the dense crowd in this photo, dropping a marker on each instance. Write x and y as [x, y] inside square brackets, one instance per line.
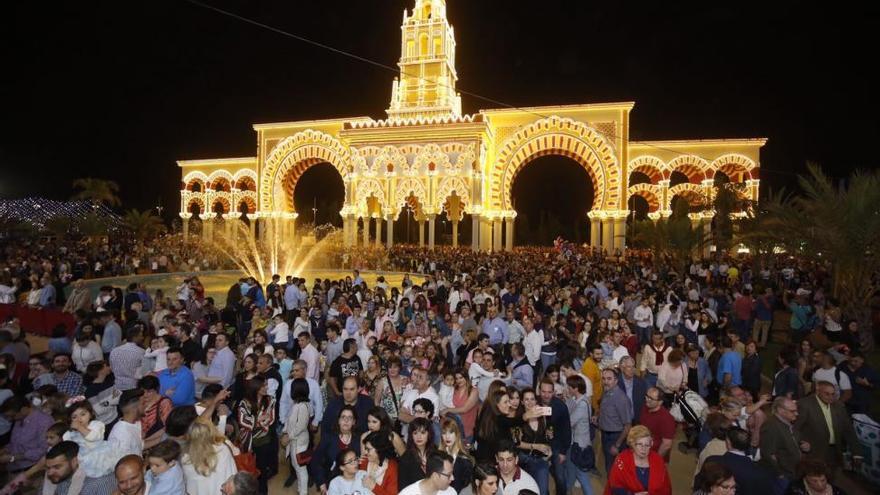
[516, 372]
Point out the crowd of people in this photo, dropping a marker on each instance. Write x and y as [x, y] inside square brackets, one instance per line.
[532, 371]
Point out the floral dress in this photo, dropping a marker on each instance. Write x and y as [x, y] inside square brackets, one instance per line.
[387, 401]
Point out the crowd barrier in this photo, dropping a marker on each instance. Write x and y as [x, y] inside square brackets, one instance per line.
[38, 321]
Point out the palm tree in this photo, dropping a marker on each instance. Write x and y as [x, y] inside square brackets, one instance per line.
[143, 224]
[836, 224]
[97, 191]
[675, 237]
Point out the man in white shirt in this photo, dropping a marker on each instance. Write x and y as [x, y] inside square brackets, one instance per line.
[280, 332]
[619, 350]
[317, 402]
[830, 373]
[310, 355]
[644, 318]
[438, 470]
[533, 341]
[511, 478]
[419, 388]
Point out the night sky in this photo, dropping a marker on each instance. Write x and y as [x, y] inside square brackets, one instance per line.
[120, 90]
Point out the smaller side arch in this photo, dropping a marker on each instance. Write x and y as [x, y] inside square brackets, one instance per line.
[651, 166]
[647, 191]
[692, 166]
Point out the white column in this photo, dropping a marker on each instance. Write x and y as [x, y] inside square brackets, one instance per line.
[475, 232]
[608, 234]
[619, 233]
[595, 236]
[455, 233]
[389, 242]
[421, 233]
[431, 222]
[485, 234]
[184, 218]
[378, 231]
[497, 244]
[508, 227]
[366, 231]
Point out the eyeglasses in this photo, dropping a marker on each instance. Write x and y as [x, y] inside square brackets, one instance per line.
[644, 445]
[447, 475]
[651, 398]
[418, 411]
[346, 463]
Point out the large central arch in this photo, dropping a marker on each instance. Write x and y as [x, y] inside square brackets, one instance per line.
[559, 136]
[296, 154]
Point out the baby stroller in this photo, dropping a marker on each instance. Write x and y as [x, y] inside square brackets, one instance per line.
[691, 409]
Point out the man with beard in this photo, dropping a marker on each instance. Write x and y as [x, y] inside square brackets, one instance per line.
[62, 470]
[130, 476]
[65, 380]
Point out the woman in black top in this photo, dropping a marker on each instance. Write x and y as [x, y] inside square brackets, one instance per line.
[419, 445]
[533, 442]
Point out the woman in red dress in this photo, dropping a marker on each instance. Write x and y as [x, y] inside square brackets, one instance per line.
[638, 470]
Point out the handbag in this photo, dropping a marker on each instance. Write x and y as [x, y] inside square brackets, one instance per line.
[583, 457]
[397, 426]
[303, 458]
[245, 461]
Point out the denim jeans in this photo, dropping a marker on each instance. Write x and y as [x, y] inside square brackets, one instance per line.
[644, 335]
[573, 473]
[539, 468]
[609, 438]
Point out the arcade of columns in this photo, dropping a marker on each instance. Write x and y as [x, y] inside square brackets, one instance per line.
[428, 158]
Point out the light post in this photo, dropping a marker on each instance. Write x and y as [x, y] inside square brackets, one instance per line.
[315, 215]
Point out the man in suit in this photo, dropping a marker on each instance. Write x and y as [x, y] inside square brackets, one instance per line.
[635, 386]
[750, 477]
[781, 445]
[824, 422]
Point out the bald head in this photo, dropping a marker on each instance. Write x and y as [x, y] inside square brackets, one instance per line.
[130, 475]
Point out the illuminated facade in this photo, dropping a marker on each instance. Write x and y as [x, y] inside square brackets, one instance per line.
[429, 156]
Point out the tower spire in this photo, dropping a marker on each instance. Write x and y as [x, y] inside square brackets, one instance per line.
[426, 85]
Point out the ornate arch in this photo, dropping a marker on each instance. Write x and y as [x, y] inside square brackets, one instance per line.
[193, 178]
[197, 200]
[556, 135]
[365, 189]
[734, 164]
[221, 174]
[407, 187]
[648, 191]
[429, 160]
[223, 199]
[390, 160]
[693, 193]
[692, 166]
[250, 200]
[649, 165]
[307, 146]
[245, 176]
[450, 185]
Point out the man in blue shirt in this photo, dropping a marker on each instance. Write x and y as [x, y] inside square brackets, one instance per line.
[730, 365]
[112, 337]
[176, 381]
[495, 327]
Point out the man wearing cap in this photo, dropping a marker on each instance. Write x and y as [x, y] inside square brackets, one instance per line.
[126, 435]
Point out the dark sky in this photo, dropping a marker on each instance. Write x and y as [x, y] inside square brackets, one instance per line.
[120, 90]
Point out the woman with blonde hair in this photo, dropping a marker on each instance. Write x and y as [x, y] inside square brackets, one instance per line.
[638, 469]
[208, 459]
[462, 462]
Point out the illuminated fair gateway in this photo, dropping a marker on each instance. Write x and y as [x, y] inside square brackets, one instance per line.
[430, 157]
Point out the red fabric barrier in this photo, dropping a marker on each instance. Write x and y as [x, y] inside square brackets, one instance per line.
[38, 321]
